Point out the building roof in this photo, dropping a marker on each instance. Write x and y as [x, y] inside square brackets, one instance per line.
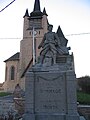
[13, 57]
[26, 69]
[26, 13]
[37, 10]
[44, 12]
[37, 6]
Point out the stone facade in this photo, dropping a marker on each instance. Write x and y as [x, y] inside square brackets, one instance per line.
[10, 83]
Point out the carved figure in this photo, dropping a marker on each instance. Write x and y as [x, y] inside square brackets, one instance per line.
[63, 42]
[51, 44]
[18, 92]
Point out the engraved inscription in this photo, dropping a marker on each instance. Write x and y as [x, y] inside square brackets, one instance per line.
[50, 106]
[50, 93]
[61, 59]
[50, 90]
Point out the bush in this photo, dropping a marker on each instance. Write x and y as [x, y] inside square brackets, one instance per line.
[84, 84]
[83, 98]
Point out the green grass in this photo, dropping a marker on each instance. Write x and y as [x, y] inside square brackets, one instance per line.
[2, 94]
[83, 98]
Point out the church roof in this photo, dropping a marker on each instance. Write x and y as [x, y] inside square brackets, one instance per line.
[44, 12]
[37, 6]
[28, 66]
[37, 10]
[13, 57]
[26, 13]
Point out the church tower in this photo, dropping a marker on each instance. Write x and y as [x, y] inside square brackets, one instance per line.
[38, 20]
[18, 64]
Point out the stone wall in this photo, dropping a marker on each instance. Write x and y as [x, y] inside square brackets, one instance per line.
[84, 110]
[9, 85]
[6, 106]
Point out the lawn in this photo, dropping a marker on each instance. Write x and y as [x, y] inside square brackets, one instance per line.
[2, 94]
[83, 98]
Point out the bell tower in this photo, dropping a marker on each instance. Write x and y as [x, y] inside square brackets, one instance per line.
[39, 21]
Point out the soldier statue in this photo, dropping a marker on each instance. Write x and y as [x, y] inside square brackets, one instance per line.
[50, 43]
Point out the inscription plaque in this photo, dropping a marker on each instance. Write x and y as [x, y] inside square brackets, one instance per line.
[50, 94]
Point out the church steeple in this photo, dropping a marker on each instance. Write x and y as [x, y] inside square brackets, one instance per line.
[37, 6]
[37, 10]
[26, 13]
[44, 12]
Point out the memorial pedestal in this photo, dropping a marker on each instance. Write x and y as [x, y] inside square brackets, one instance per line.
[51, 94]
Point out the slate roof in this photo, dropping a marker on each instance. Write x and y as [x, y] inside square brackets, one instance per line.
[13, 57]
[44, 12]
[28, 66]
[37, 6]
[36, 11]
[26, 13]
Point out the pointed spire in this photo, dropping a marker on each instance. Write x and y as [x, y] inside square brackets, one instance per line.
[26, 13]
[37, 10]
[44, 12]
[59, 32]
[37, 6]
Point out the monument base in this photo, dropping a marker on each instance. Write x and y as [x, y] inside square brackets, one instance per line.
[51, 91]
[72, 117]
[50, 117]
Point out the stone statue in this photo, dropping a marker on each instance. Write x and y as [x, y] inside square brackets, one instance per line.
[63, 41]
[18, 92]
[50, 45]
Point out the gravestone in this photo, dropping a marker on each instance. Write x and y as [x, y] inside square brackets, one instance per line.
[51, 84]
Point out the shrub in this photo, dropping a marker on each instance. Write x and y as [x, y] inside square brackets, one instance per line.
[84, 84]
[83, 98]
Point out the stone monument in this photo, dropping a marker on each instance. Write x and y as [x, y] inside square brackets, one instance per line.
[51, 83]
[19, 100]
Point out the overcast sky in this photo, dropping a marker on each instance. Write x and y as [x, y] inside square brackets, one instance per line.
[72, 15]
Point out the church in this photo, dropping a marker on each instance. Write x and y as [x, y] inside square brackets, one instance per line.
[19, 63]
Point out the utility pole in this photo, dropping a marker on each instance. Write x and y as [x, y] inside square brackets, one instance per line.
[34, 54]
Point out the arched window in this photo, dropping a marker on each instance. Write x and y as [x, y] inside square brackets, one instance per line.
[12, 71]
[6, 74]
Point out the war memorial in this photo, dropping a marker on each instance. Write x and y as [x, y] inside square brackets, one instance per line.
[51, 82]
[46, 67]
